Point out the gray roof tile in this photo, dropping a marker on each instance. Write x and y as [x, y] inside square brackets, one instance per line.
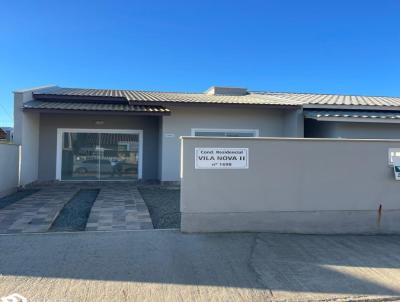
[176, 97]
[335, 99]
[54, 105]
[261, 98]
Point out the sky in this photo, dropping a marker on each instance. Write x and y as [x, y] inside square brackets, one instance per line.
[337, 46]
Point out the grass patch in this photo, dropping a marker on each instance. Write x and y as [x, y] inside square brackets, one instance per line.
[163, 204]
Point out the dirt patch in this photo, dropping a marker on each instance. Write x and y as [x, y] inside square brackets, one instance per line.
[163, 204]
[74, 215]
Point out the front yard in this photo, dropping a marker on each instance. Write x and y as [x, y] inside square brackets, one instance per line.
[90, 206]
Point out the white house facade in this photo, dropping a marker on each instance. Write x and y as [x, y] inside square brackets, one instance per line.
[127, 135]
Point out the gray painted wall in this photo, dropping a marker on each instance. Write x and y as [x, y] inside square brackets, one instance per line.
[293, 185]
[270, 122]
[48, 138]
[293, 123]
[352, 130]
[367, 130]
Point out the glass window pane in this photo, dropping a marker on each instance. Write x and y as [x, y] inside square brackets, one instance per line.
[209, 133]
[240, 134]
[119, 155]
[80, 156]
[233, 133]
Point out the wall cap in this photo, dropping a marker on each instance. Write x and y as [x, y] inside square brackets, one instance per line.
[305, 139]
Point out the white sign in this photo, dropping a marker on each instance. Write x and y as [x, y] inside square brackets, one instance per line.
[221, 158]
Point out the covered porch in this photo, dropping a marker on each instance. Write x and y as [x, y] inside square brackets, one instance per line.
[86, 141]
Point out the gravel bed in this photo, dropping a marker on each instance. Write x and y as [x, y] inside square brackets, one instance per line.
[74, 215]
[163, 204]
[17, 196]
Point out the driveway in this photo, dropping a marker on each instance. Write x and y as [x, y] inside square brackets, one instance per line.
[159, 265]
[118, 206]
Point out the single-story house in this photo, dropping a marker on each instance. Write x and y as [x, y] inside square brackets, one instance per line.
[3, 134]
[103, 134]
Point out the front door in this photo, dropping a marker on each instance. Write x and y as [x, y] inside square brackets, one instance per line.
[99, 154]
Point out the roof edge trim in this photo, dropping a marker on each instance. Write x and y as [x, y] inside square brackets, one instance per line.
[37, 88]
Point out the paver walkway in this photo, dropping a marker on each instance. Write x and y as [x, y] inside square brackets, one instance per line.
[119, 206]
[36, 212]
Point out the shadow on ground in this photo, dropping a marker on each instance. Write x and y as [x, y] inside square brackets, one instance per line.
[280, 264]
[17, 196]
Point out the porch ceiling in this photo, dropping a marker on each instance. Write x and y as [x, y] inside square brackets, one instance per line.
[97, 107]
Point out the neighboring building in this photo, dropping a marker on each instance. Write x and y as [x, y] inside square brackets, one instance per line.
[3, 135]
[347, 116]
[6, 134]
[100, 134]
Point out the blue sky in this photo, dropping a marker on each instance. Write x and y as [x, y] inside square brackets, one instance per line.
[348, 47]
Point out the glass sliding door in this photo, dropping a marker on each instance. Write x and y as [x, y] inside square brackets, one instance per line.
[80, 156]
[119, 156]
[99, 156]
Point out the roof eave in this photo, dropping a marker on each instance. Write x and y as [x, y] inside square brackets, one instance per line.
[107, 112]
[123, 100]
[355, 120]
[188, 103]
[352, 107]
[79, 98]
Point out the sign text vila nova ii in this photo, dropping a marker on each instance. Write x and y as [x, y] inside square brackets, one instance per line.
[221, 158]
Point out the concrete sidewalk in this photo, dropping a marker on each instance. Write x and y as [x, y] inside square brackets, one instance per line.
[170, 266]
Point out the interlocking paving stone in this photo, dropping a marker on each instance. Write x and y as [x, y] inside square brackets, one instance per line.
[119, 207]
[36, 212]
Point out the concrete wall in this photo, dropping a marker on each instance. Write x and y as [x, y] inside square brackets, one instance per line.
[26, 134]
[48, 138]
[9, 168]
[293, 185]
[269, 122]
[366, 130]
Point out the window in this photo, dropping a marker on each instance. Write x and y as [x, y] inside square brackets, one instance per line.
[225, 132]
[394, 155]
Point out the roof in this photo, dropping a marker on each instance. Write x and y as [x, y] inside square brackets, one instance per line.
[335, 99]
[54, 105]
[307, 100]
[137, 96]
[352, 115]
